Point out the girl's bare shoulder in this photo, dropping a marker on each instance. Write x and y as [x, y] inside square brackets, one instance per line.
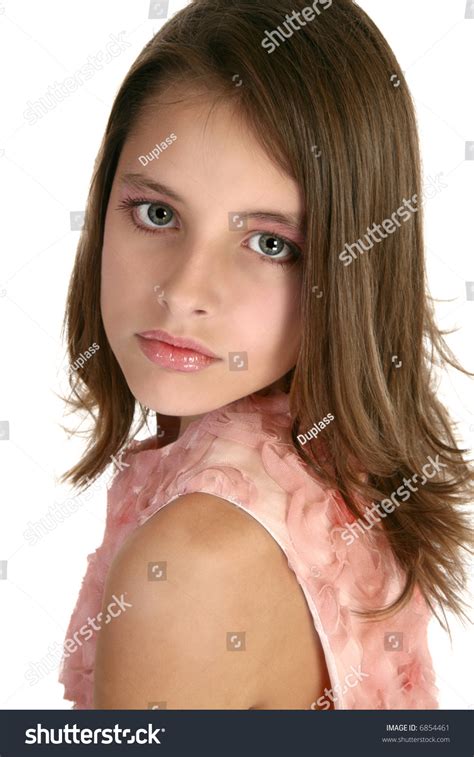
[214, 606]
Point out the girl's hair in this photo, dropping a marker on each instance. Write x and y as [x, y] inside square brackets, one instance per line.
[331, 107]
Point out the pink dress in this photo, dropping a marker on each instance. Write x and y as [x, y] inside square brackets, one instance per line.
[243, 453]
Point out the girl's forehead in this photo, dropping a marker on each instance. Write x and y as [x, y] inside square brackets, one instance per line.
[199, 142]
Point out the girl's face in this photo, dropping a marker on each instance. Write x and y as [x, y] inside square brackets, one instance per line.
[192, 260]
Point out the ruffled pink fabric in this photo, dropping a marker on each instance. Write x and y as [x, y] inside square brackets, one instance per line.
[243, 453]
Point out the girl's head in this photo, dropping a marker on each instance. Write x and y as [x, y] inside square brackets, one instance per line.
[242, 111]
[240, 108]
[195, 259]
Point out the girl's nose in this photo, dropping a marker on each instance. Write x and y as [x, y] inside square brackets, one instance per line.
[192, 282]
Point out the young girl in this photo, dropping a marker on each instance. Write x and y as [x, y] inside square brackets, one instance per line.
[252, 271]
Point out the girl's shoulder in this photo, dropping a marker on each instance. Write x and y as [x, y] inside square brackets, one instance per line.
[240, 459]
[212, 600]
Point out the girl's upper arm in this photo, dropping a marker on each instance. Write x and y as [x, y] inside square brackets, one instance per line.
[194, 587]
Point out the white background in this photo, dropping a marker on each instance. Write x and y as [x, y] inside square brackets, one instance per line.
[45, 171]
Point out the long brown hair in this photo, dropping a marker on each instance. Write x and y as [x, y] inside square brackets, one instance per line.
[331, 106]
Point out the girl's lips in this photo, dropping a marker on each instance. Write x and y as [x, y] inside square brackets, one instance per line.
[177, 358]
[183, 342]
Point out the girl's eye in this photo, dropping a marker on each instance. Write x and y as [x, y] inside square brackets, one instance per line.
[148, 217]
[271, 246]
[154, 213]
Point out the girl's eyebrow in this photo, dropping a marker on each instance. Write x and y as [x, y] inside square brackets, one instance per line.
[140, 181]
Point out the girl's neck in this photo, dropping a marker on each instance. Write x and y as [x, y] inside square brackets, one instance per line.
[280, 384]
[186, 420]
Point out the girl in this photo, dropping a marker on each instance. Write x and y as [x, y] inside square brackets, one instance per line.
[252, 271]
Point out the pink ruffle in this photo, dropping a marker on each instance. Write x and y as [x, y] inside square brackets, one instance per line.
[243, 453]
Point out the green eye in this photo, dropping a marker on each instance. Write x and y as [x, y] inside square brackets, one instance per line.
[271, 247]
[153, 216]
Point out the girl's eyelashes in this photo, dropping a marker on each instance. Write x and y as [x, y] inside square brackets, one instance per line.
[129, 205]
[154, 214]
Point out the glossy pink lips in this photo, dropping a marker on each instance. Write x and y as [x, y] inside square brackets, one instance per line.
[170, 356]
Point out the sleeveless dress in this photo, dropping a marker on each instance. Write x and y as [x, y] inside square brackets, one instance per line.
[243, 453]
